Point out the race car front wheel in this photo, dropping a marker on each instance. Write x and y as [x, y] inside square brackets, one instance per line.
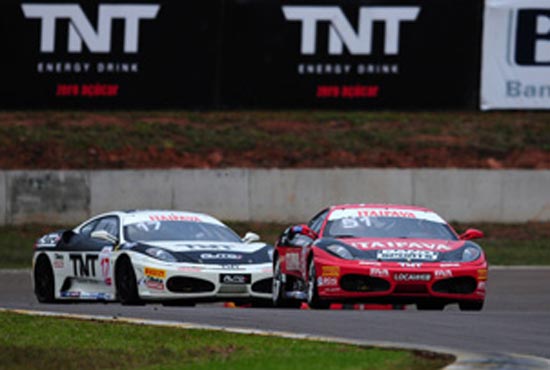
[44, 280]
[279, 290]
[470, 305]
[125, 281]
[312, 293]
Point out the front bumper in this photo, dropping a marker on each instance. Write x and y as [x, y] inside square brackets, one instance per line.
[184, 281]
[392, 282]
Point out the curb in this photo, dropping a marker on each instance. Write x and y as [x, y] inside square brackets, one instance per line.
[464, 360]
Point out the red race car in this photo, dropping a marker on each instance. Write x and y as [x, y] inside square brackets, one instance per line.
[378, 253]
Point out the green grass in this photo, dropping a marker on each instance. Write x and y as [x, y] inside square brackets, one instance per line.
[517, 252]
[29, 342]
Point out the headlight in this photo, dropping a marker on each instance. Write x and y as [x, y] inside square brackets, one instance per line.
[270, 253]
[470, 253]
[160, 254]
[340, 251]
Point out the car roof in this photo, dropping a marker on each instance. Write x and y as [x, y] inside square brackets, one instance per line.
[145, 215]
[379, 205]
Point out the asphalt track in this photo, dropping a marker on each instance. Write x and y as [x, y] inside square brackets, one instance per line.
[516, 317]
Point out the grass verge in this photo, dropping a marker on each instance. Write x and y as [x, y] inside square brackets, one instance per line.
[505, 244]
[29, 342]
[288, 139]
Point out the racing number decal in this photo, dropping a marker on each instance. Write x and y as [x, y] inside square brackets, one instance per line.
[83, 265]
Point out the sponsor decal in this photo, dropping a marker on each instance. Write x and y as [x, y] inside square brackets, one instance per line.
[330, 271]
[370, 263]
[189, 269]
[342, 33]
[99, 296]
[82, 32]
[482, 274]
[443, 274]
[175, 218]
[221, 256]
[235, 278]
[105, 264]
[516, 55]
[403, 276]
[58, 261]
[379, 272]
[347, 91]
[48, 241]
[414, 265]
[83, 264]
[292, 261]
[402, 244]
[443, 265]
[234, 267]
[70, 294]
[205, 247]
[155, 273]
[327, 281]
[384, 212]
[86, 90]
[154, 283]
[389, 254]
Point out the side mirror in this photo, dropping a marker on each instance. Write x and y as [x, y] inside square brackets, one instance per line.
[251, 237]
[304, 230]
[472, 234]
[104, 235]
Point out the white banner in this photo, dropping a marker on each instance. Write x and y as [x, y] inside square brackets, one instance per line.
[515, 71]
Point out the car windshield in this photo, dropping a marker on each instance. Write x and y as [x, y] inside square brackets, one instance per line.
[387, 227]
[178, 230]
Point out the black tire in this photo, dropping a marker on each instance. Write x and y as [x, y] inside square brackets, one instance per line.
[470, 305]
[430, 306]
[44, 281]
[126, 283]
[313, 299]
[279, 290]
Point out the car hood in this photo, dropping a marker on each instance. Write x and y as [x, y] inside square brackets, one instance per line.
[194, 246]
[211, 252]
[434, 245]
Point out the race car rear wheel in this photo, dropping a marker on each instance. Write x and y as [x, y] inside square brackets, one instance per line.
[126, 283]
[44, 280]
[312, 293]
[470, 305]
[279, 290]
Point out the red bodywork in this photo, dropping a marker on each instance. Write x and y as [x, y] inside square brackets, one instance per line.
[388, 282]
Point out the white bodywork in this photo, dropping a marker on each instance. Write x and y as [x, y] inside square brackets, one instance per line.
[92, 276]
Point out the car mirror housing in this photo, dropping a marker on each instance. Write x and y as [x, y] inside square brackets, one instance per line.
[251, 237]
[304, 230]
[104, 235]
[472, 234]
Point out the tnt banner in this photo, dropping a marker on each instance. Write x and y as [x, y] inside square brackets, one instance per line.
[107, 54]
[516, 55]
[411, 54]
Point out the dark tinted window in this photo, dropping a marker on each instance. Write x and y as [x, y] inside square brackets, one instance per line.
[109, 224]
[317, 221]
[87, 229]
[387, 227]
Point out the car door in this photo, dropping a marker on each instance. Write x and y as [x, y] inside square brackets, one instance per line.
[89, 256]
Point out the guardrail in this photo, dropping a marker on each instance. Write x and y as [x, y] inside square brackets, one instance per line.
[286, 195]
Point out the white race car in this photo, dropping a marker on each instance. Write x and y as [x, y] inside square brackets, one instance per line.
[162, 256]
